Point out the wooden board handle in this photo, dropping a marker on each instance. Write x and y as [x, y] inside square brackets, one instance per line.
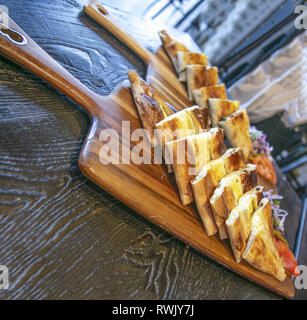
[100, 14]
[17, 46]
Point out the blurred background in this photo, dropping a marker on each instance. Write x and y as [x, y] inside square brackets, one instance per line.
[261, 56]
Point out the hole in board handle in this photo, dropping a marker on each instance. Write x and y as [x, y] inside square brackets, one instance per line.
[12, 35]
[102, 10]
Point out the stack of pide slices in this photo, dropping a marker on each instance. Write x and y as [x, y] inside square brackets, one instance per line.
[219, 179]
[204, 88]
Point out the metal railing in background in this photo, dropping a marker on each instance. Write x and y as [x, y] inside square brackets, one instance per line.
[172, 12]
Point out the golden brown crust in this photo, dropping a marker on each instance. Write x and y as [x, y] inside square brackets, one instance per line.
[190, 154]
[238, 243]
[201, 95]
[260, 251]
[188, 58]
[165, 38]
[198, 119]
[211, 180]
[220, 213]
[221, 108]
[234, 160]
[181, 170]
[248, 178]
[186, 122]
[227, 194]
[172, 46]
[239, 221]
[219, 146]
[193, 118]
[207, 180]
[150, 106]
[200, 76]
[202, 189]
[236, 128]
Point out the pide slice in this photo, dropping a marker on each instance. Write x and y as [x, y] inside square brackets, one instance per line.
[190, 154]
[226, 196]
[206, 181]
[238, 223]
[260, 250]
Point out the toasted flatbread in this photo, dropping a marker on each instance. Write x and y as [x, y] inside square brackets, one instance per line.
[206, 181]
[172, 46]
[186, 122]
[200, 76]
[201, 95]
[221, 108]
[190, 154]
[236, 127]
[218, 146]
[260, 250]
[188, 58]
[227, 194]
[238, 223]
[150, 106]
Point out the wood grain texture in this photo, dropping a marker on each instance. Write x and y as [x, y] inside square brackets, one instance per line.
[160, 72]
[61, 236]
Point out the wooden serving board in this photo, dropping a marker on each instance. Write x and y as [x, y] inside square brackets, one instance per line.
[146, 188]
[152, 190]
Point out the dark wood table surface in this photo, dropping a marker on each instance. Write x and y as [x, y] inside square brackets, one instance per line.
[61, 236]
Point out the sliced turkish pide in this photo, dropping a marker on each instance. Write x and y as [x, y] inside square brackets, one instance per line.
[190, 154]
[201, 95]
[172, 47]
[260, 250]
[221, 108]
[187, 58]
[150, 106]
[236, 128]
[200, 76]
[238, 223]
[181, 124]
[222, 185]
[227, 194]
[206, 181]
